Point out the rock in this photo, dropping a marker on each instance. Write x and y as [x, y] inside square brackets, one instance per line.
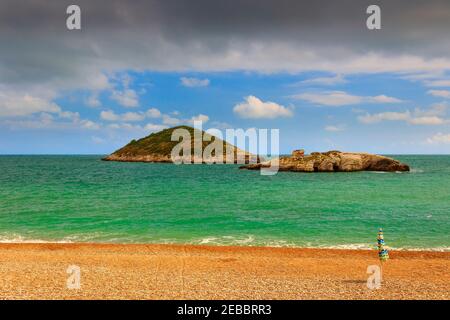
[327, 165]
[334, 161]
[158, 147]
[298, 153]
[351, 162]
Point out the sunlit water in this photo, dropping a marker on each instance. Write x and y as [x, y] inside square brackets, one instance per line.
[83, 199]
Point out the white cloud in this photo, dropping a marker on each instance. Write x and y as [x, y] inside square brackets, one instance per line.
[341, 98]
[334, 128]
[423, 76]
[440, 93]
[438, 83]
[383, 99]
[194, 82]
[221, 125]
[93, 101]
[133, 116]
[74, 116]
[114, 126]
[138, 129]
[385, 116]
[437, 109]
[432, 79]
[201, 117]
[254, 108]
[154, 127]
[88, 124]
[125, 126]
[127, 98]
[109, 115]
[98, 81]
[153, 113]
[122, 120]
[431, 116]
[171, 121]
[168, 120]
[331, 98]
[326, 81]
[439, 138]
[55, 121]
[28, 124]
[431, 120]
[14, 104]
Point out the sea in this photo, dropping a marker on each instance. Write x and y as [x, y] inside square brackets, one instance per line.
[79, 198]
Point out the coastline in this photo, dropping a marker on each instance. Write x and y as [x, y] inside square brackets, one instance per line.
[172, 271]
[237, 244]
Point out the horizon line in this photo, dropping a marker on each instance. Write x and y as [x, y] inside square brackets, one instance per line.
[281, 154]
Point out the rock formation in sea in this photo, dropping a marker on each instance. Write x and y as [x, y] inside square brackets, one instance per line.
[157, 147]
[333, 161]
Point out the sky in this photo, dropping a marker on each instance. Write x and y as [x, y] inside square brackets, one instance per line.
[311, 69]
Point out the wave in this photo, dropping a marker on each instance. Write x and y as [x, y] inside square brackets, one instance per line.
[251, 241]
[16, 238]
[373, 247]
[247, 240]
[226, 240]
[401, 172]
[20, 239]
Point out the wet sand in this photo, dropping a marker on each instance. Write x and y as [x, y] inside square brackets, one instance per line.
[115, 271]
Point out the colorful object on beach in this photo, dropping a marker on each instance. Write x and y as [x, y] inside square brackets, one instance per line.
[383, 253]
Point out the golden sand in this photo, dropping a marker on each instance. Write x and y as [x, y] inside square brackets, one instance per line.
[114, 271]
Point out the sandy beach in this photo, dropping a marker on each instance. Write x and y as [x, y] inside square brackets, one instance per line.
[113, 271]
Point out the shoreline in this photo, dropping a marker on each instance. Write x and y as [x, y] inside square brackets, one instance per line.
[176, 271]
[356, 247]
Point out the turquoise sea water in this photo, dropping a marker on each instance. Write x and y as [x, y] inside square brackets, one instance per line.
[80, 198]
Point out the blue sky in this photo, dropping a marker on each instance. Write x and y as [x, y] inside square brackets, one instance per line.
[311, 69]
[313, 124]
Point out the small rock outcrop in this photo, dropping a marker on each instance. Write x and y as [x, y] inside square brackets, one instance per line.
[298, 154]
[333, 161]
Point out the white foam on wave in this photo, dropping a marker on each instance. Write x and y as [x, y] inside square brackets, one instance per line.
[16, 238]
[280, 244]
[352, 246]
[208, 240]
[373, 247]
[435, 249]
[248, 240]
[226, 240]
[251, 241]
[20, 239]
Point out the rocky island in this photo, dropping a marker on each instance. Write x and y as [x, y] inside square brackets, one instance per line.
[333, 161]
[157, 147]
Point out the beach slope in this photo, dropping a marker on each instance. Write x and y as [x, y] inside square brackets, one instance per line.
[110, 271]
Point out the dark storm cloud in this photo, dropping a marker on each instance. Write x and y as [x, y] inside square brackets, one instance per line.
[296, 20]
[206, 35]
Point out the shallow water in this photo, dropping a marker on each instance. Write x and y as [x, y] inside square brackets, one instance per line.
[80, 198]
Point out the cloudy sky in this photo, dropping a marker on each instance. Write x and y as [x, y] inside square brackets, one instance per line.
[309, 68]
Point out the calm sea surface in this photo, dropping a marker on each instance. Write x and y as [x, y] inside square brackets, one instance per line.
[83, 199]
